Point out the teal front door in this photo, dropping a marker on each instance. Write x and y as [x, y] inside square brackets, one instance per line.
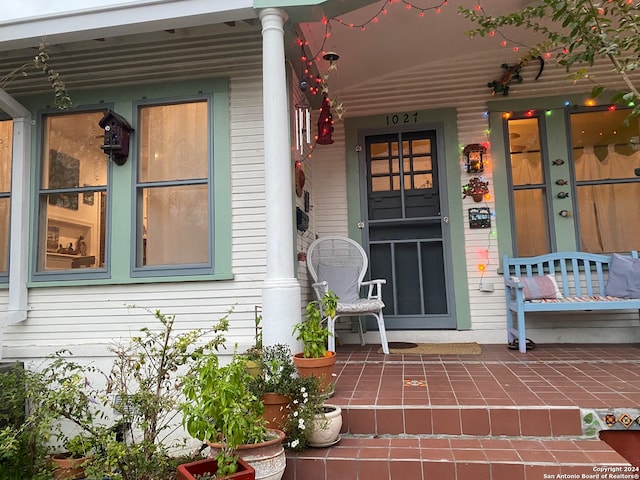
[405, 229]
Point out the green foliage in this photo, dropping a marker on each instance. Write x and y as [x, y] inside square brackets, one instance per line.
[578, 32]
[277, 372]
[221, 408]
[279, 375]
[41, 64]
[306, 402]
[24, 429]
[311, 332]
[142, 389]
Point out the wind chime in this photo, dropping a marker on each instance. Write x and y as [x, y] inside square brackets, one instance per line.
[303, 132]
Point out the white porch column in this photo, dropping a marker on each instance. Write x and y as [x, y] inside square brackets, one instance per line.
[281, 306]
[20, 204]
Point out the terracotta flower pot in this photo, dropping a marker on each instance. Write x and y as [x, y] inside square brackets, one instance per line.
[193, 470]
[322, 368]
[276, 410]
[66, 467]
[477, 197]
[267, 458]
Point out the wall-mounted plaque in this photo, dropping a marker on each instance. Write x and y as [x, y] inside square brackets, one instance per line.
[480, 217]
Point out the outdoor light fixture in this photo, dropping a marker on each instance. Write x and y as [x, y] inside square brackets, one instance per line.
[474, 161]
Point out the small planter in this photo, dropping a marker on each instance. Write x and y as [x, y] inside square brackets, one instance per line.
[276, 410]
[326, 426]
[477, 197]
[67, 467]
[208, 466]
[322, 368]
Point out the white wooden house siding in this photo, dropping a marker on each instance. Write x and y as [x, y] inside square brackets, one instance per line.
[85, 319]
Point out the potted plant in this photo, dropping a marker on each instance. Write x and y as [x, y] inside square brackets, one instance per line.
[207, 469]
[476, 189]
[326, 426]
[315, 359]
[139, 390]
[290, 401]
[275, 384]
[253, 355]
[221, 410]
[70, 464]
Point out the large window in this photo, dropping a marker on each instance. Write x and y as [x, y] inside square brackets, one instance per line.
[173, 193]
[581, 195]
[528, 187]
[605, 155]
[72, 193]
[6, 139]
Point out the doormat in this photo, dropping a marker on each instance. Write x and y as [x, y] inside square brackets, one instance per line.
[471, 348]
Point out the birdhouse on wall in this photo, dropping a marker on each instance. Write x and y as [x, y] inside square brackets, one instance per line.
[474, 160]
[117, 132]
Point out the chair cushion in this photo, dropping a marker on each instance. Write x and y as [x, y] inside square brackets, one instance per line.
[539, 286]
[624, 277]
[360, 306]
[343, 281]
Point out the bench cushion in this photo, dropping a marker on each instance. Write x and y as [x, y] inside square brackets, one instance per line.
[539, 286]
[583, 299]
[624, 277]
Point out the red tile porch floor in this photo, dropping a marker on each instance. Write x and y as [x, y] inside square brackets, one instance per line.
[501, 415]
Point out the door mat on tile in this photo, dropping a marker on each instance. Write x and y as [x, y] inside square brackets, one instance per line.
[471, 348]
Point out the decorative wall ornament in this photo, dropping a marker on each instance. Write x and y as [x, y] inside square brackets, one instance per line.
[512, 74]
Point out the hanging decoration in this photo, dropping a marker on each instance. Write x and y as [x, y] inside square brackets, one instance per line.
[303, 127]
[512, 74]
[325, 123]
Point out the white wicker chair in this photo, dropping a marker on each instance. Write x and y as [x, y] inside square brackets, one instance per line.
[339, 264]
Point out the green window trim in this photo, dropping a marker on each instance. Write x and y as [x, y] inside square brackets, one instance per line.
[119, 260]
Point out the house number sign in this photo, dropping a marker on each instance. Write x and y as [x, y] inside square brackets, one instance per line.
[402, 118]
[479, 217]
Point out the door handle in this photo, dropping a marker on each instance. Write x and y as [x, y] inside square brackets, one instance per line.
[445, 219]
[360, 225]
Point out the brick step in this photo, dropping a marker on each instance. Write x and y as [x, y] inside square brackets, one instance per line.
[454, 458]
[461, 420]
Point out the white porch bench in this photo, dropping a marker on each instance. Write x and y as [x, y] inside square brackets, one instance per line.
[567, 281]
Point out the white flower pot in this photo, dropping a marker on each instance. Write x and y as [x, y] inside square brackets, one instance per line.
[326, 427]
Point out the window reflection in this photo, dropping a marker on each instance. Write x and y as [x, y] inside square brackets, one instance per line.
[72, 200]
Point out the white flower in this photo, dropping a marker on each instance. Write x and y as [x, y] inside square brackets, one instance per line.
[305, 395]
[303, 389]
[295, 443]
[295, 402]
[295, 414]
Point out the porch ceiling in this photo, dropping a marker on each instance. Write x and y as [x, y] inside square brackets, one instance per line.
[401, 38]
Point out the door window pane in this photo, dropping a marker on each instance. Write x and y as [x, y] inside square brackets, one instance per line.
[6, 139]
[173, 185]
[605, 156]
[72, 196]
